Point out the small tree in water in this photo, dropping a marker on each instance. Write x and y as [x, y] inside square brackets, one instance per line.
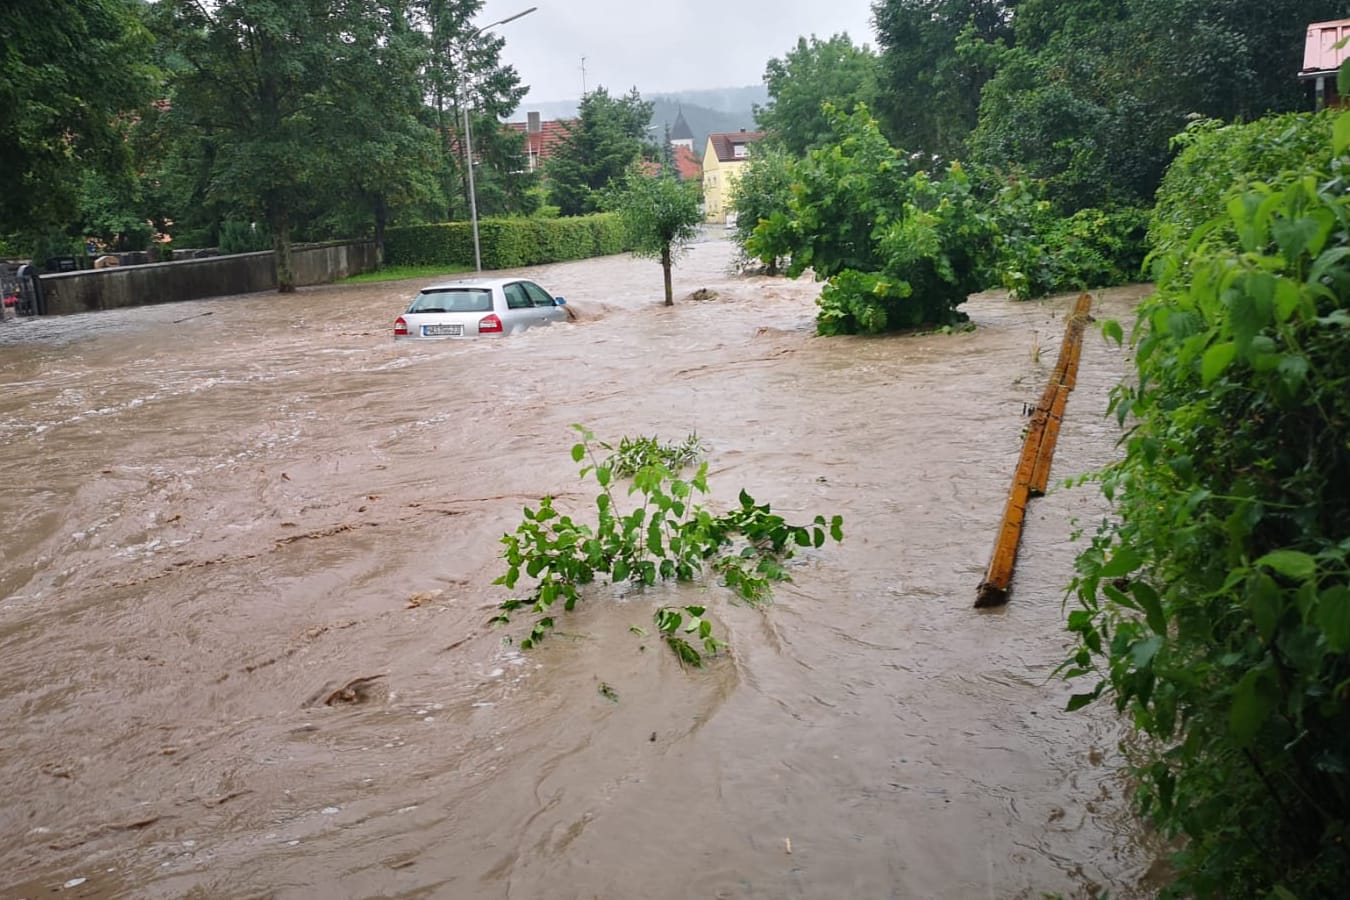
[660, 216]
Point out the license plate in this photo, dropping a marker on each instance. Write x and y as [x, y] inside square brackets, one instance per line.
[441, 330]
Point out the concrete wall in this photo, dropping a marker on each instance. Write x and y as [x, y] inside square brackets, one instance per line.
[194, 279]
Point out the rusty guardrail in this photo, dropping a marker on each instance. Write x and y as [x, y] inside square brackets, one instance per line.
[1033, 467]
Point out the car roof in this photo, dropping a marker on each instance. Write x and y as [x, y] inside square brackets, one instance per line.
[480, 283]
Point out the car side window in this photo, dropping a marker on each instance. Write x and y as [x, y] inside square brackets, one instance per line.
[540, 296]
[516, 298]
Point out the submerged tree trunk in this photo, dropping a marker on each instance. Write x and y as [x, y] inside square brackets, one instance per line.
[381, 220]
[281, 247]
[665, 267]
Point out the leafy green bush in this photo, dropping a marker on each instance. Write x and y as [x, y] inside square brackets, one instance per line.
[1041, 252]
[1213, 155]
[244, 237]
[858, 207]
[1215, 605]
[633, 454]
[859, 303]
[505, 243]
[669, 536]
[762, 192]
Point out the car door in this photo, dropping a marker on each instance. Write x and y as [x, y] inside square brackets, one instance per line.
[520, 312]
[548, 307]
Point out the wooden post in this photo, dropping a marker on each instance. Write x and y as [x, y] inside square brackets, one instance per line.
[1033, 467]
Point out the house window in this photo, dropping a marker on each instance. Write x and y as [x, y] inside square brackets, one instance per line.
[739, 151]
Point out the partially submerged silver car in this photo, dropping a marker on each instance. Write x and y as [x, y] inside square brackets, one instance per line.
[473, 307]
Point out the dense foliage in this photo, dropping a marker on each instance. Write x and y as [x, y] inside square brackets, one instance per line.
[1215, 604]
[1042, 252]
[1216, 157]
[931, 92]
[668, 535]
[899, 247]
[1088, 93]
[506, 243]
[814, 73]
[602, 143]
[130, 123]
[762, 193]
[70, 75]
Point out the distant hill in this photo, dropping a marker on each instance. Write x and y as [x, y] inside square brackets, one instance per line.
[706, 111]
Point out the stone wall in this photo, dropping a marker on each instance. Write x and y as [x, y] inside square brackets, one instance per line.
[195, 279]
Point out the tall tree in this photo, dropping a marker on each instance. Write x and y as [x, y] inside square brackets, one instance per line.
[930, 93]
[1091, 95]
[601, 144]
[502, 178]
[257, 76]
[384, 155]
[465, 68]
[72, 73]
[811, 74]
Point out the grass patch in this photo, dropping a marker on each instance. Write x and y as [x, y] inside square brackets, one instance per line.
[402, 273]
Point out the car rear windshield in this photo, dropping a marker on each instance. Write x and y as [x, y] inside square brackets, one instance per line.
[452, 300]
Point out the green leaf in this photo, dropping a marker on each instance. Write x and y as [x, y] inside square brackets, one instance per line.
[1333, 617]
[578, 452]
[1151, 604]
[1293, 370]
[1265, 599]
[1340, 133]
[837, 528]
[1142, 653]
[1215, 361]
[1078, 701]
[1125, 561]
[1254, 700]
[1246, 314]
[1112, 331]
[1290, 563]
[1080, 620]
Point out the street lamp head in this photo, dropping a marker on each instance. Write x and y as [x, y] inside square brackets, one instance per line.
[518, 15]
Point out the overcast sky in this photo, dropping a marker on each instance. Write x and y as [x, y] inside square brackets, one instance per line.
[661, 47]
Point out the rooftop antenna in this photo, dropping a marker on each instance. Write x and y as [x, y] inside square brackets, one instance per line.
[583, 77]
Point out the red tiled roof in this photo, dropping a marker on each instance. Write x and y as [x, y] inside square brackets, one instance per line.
[724, 144]
[688, 164]
[541, 144]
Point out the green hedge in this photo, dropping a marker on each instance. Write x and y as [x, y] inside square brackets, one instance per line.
[1214, 604]
[505, 243]
[1217, 159]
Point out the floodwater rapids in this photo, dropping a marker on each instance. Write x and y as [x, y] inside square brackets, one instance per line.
[215, 514]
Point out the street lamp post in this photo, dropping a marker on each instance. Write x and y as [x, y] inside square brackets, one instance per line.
[468, 142]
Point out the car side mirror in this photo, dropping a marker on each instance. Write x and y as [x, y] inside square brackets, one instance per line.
[559, 301]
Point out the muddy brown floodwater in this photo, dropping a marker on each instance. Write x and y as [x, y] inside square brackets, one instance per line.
[216, 513]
